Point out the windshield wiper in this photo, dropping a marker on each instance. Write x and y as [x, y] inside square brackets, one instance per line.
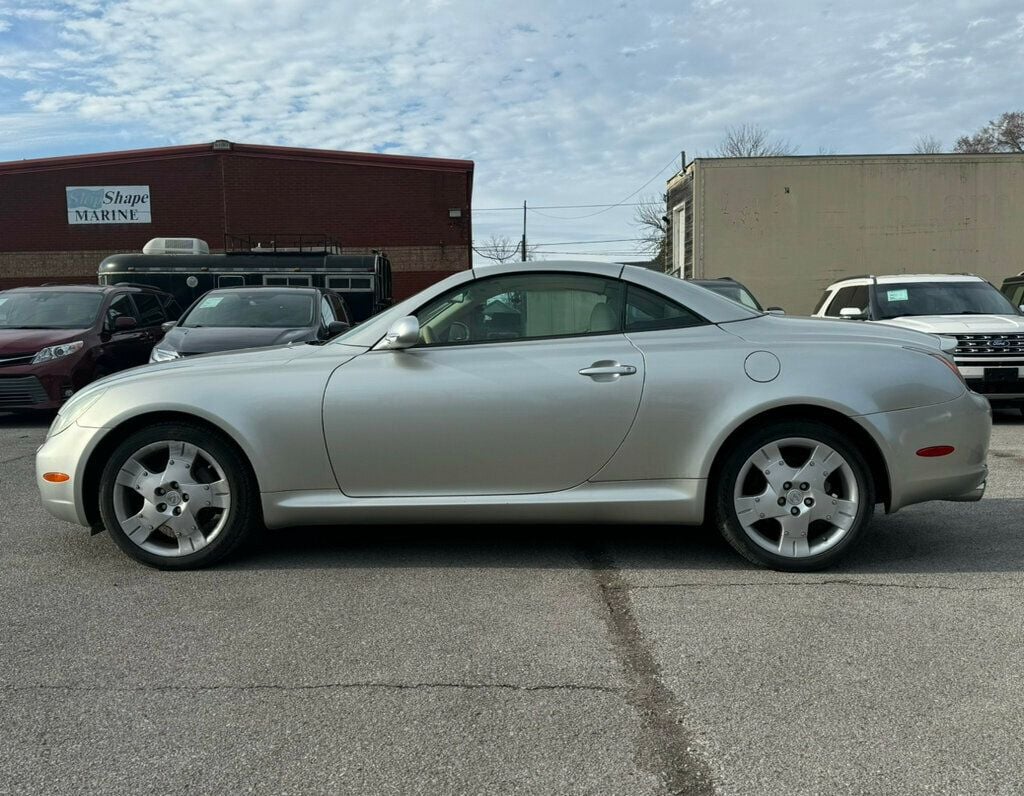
[36, 327]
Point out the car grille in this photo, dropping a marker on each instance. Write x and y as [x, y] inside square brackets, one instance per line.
[16, 359]
[21, 391]
[989, 345]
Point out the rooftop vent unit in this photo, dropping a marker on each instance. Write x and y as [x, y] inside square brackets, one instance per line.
[176, 246]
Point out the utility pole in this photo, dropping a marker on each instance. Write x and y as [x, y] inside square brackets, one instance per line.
[524, 230]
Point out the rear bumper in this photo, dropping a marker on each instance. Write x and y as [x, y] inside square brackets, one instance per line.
[964, 423]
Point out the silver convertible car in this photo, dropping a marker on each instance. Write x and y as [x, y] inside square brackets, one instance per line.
[536, 392]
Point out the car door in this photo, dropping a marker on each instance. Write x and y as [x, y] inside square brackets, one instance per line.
[521, 383]
[121, 348]
[151, 315]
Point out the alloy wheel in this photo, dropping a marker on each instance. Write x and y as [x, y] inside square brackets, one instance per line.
[171, 498]
[796, 497]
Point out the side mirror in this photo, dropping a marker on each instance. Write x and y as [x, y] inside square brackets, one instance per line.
[1020, 307]
[334, 328]
[124, 323]
[852, 314]
[166, 326]
[775, 311]
[404, 333]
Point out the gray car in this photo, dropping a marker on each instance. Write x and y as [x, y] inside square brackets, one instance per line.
[535, 392]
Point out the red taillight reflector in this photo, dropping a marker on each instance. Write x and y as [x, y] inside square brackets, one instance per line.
[936, 450]
[56, 478]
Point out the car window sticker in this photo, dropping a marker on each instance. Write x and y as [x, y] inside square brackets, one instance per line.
[896, 295]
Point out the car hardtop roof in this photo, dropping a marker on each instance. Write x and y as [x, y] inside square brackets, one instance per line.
[889, 279]
[80, 288]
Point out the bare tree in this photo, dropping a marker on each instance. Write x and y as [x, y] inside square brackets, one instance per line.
[652, 227]
[752, 141]
[928, 145]
[1005, 134]
[503, 249]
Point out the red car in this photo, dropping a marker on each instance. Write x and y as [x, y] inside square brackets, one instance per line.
[56, 339]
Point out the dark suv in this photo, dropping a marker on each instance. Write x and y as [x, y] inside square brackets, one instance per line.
[56, 339]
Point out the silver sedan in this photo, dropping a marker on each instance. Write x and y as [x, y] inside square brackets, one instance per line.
[536, 392]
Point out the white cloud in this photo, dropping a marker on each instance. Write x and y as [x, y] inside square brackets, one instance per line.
[559, 103]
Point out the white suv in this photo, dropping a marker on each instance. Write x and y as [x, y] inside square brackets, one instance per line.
[989, 330]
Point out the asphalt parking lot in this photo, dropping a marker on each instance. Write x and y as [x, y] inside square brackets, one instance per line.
[508, 661]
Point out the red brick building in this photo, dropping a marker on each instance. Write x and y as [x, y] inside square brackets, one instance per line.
[415, 209]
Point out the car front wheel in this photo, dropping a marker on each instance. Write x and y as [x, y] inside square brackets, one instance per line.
[178, 496]
[794, 496]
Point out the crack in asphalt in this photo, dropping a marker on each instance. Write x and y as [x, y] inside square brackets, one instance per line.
[364, 685]
[827, 582]
[666, 747]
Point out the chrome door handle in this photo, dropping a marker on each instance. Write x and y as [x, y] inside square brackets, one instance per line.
[608, 370]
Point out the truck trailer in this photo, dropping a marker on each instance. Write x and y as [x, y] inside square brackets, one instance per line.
[787, 227]
[185, 268]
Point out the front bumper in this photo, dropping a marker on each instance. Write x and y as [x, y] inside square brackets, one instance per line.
[46, 385]
[964, 423]
[67, 452]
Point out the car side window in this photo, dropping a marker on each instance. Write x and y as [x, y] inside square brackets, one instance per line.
[327, 311]
[647, 311]
[149, 309]
[121, 306]
[340, 308]
[172, 308]
[522, 307]
[843, 298]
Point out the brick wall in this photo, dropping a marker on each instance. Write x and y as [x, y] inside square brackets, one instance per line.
[400, 205]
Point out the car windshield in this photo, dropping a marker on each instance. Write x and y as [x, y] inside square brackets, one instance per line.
[272, 309]
[901, 299]
[56, 309]
[737, 293]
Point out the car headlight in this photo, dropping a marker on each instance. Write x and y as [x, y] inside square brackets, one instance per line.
[72, 410]
[57, 352]
[163, 355]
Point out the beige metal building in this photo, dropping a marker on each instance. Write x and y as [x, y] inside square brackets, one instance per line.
[789, 226]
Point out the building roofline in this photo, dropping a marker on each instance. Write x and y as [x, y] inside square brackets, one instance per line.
[243, 150]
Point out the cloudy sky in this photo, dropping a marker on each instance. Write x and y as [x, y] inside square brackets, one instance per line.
[559, 102]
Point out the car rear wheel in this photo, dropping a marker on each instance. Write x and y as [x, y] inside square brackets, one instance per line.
[794, 496]
[178, 496]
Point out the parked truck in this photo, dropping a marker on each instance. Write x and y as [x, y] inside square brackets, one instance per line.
[787, 227]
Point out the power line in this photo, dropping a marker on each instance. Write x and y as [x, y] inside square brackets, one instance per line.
[567, 243]
[617, 204]
[572, 207]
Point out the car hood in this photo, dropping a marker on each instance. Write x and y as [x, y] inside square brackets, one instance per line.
[203, 339]
[767, 329]
[29, 341]
[960, 324]
[216, 363]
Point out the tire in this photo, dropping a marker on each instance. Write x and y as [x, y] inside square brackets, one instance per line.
[191, 511]
[824, 511]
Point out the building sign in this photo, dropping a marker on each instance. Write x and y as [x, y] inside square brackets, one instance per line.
[108, 204]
